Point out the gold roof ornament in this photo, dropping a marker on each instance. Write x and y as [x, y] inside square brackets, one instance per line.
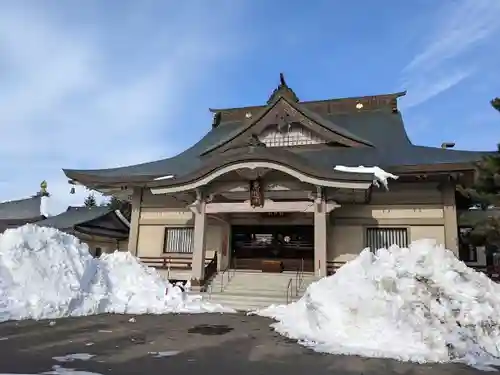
[43, 188]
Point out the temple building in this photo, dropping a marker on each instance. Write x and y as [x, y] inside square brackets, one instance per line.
[278, 184]
[18, 212]
[103, 229]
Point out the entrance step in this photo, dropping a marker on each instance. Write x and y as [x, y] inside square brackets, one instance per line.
[251, 290]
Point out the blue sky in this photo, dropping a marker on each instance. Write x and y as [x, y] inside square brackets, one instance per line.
[94, 84]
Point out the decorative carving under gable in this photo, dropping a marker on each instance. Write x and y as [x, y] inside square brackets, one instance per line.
[238, 189]
[292, 135]
[277, 187]
[252, 174]
[254, 141]
[284, 118]
[256, 193]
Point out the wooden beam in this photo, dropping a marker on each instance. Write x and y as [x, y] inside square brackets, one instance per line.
[269, 206]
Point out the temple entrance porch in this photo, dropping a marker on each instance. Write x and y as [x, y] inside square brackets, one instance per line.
[292, 245]
[273, 248]
[276, 217]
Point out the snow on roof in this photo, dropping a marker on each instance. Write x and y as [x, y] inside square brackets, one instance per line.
[381, 176]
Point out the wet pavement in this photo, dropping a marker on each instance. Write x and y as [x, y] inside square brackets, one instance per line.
[177, 344]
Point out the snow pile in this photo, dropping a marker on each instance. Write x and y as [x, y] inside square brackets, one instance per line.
[417, 304]
[45, 274]
[381, 176]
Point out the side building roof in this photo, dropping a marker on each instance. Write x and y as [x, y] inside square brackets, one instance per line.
[98, 220]
[21, 209]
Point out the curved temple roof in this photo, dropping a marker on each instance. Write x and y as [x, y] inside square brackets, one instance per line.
[373, 135]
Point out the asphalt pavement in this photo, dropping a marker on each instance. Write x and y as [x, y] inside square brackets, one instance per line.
[206, 344]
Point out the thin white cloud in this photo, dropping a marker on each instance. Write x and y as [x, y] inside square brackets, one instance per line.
[63, 102]
[446, 59]
[422, 90]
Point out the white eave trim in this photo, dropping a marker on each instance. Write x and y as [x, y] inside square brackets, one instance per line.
[269, 165]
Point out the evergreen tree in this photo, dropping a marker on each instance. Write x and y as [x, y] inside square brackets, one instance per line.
[485, 193]
[495, 103]
[124, 206]
[90, 201]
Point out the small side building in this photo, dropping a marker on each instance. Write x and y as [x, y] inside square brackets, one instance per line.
[19, 212]
[103, 229]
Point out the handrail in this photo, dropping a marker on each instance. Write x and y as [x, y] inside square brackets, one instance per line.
[299, 277]
[227, 272]
[289, 290]
[210, 271]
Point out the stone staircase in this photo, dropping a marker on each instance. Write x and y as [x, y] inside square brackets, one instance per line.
[250, 290]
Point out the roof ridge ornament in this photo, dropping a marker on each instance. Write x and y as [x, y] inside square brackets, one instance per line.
[283, 90]
[216, 120]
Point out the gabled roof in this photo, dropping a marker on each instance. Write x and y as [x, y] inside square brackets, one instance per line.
[22, 209]
[315, 122]
[372, 124]
[74, 216]
[90, 220]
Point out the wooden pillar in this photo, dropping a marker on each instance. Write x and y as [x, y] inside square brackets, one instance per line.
[200, 226]
[320, 237]
[133, 237]
[450, 217]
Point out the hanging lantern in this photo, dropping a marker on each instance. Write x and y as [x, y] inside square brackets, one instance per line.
[72, 191]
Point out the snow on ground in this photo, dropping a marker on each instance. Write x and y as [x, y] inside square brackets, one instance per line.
[73, 357]
[418, 304]
[47, 274]
[58, 370]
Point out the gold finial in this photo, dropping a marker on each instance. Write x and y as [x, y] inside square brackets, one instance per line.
[43, 188]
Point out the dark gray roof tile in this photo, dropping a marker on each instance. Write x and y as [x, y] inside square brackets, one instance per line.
[75, 216]
[382, 128]
[21, 209]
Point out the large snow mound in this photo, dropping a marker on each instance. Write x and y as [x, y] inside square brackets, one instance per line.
[418, 304]
[45, 273]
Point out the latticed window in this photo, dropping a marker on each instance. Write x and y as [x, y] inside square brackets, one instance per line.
[377, 238]
[293, 136]
[179, 240]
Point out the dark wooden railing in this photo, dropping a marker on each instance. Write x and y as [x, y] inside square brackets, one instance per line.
[177, 262]
[210, 271]
[183, 263]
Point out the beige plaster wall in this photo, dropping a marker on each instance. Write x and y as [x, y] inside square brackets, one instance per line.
[151, 233]
[432, 232]
[107, 245]
[418, 207]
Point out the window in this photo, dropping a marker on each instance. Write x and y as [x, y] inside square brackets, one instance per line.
[377, 238]
[178, 240]
[292, 136]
